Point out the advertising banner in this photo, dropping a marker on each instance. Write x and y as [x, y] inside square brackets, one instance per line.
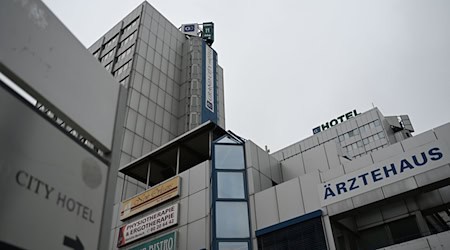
[165, 242]
[150, 198]
[408, 164]
[148, 225]
[209, 111]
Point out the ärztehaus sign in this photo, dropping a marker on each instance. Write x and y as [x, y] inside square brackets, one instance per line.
[408, 164]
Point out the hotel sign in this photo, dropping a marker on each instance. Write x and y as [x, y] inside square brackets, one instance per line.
[408, 164]
[150, 198]
[150, 224]
[335, 121]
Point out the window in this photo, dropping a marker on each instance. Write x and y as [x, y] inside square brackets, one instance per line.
[108, 67]
[230, 185]
[122, 69]
[375, 137]
[127, 40]
[365, 141]
[381, 135]
[125, 53]
[229, 157]
[350, 134]
[377, 123]
[130, 26]
[233, 246]
[232, 220]
[97, 53]
[308, 234]
[341, 138]
[107, 56]
[111, 42]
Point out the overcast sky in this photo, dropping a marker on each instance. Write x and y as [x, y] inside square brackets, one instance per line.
[290, 66]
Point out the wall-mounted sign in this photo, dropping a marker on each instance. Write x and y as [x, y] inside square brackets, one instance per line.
[148, 225]
[403, 166]
[190, 29]
[165, 242]
[209, 84]
[335, 121]
[208, 32]
[150, 198]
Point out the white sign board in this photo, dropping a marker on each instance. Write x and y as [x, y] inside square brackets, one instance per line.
[39, 54]
[147, 225]
[408, 164]
[190, 29]
[52, 189]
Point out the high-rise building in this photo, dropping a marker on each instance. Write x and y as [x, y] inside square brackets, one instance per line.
[171, 80]
[165, 73]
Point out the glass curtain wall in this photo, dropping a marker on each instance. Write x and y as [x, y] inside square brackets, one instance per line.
[229, 207]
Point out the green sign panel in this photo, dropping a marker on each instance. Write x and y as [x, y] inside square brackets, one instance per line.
[208, 32]
[165, 242]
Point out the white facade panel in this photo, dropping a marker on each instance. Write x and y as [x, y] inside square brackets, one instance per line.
[289, 199]
[197, 207]
[266, 208]
[308, 185]
[315, 159]
[197, 177]
[292, 167]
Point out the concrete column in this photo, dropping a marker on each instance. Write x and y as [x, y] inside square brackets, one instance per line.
[328, 232]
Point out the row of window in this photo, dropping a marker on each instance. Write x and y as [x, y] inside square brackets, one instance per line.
[111, 42]
[127, 40]
[370, 125]
[122, 69]
[231, 206]
[125, 53]
[365, 141]
[373, 138]
[108, 66]
[131, 25]
[356, 131]
[107, 56]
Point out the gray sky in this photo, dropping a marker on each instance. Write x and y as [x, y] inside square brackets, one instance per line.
[290, 66]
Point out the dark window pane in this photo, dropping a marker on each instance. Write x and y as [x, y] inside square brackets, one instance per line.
[404, 230]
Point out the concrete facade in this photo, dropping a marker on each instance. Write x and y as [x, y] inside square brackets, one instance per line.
[160, 70]
[285, 198]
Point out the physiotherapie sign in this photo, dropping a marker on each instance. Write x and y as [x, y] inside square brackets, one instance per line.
[148, 225]
[408, 164]
[150, 198]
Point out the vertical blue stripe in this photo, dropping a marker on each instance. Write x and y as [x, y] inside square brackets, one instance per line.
[207, 115]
